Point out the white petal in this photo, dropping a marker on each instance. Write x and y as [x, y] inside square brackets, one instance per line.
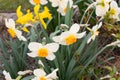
[39, 72]
[43, 2]
[53, 47]
[56, 38]
[40, 62]
[24, 72]
[55, 3]
[32, 2]
[113, 4]
[7, 75]
[34, 46]
[32, 54]
[100, 25]
[75, 28]
[19, 35]
[89, 40]
[52, 75]
[10, 23]
[100, 11]
[50, 56]
[80, 35]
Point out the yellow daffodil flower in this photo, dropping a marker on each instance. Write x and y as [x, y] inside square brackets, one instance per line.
[42, 15]
[24, 19]
[25, 29]
[69, 37]
[40, 74]
[10, 24]
[35, 2]
[45, 51]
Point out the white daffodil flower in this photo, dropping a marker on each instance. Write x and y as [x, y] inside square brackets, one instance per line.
[39, 50]
[24, 72]
[62, 8]
[40, 74]
[94, 32]
[69, 37]
[55, 3]
[114, 10]
[7, 75]
[62, 5]
[34, 2]
[10, 24]
[102, 6]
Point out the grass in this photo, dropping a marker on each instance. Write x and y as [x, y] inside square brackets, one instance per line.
[11, 5]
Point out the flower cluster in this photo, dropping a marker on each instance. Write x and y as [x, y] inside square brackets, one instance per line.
[49, 51]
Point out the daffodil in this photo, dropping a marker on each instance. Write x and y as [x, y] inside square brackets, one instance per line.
[62, 5]
[114, 10]
[40, 74]
[7, 75]
[69, 37]
[24, 18]
[102, 6]
[94, 32]
[42, 15]
[55, 3]
[44, 51]
[62, 8]
[35, 2]
[10, 24]
[24, 72]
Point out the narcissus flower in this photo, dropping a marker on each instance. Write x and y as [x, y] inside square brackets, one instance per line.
[62, 5]
[114, 10]
[102, 6]
[24, 18]
[69, 37]
[24, 72]
[40, 74]
[42, 15]
[39, 50]
[55, 3]
[7, 75]
[34, 2]
[94, 32]
[10, 24]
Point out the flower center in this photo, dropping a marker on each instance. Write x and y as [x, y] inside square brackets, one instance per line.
[42, 78]
[36, 1]
[65, 10]
[112, 11]
[43, 52]
[11, 32]
[70, 39]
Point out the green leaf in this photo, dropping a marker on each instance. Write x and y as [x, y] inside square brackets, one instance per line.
[3, 48]
[28, 78]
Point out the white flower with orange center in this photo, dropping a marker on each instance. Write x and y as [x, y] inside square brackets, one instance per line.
[62, 5]
[7, 75]
[102, 6]
[10, 24]
[44, 51]
[40, 74]
[69, 37]
[114, 10]
[55, 3]
[34, 2]
[94, 32]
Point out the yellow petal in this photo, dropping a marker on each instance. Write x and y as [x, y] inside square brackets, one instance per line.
[11, 32]
[25, 29]
[18, 11]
